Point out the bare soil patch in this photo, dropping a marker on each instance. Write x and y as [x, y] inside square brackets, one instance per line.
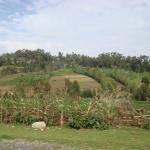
[10, 77]
[58, 82]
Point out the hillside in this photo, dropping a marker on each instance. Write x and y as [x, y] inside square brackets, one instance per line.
[88, 79]
[76, 96]
[55, 78]
[27, 70]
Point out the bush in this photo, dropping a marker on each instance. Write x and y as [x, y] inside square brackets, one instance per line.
[143, 92]
[77, 121]
[147, 125]
[22, 119]
[88, 93]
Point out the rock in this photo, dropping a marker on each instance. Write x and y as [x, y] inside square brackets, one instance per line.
[39, 125]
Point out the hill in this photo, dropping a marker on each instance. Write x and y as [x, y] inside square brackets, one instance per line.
[88, 79]
[55, 78]
[26, 69]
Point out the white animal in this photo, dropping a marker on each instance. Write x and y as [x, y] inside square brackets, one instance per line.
[39, 125]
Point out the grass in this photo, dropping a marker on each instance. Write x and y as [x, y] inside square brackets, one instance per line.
[62, 72]
[34, 75]
[140, 104]
[113, 139]
[25, 77]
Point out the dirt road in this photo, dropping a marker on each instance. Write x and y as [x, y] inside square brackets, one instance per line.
[23, 145]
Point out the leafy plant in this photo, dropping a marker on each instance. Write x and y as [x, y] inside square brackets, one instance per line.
[78, 121]
[147, 125]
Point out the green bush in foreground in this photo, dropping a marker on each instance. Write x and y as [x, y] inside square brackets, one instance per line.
[77, 121]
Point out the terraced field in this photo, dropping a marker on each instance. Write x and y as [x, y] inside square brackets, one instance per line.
[58, 82]
[6, 82]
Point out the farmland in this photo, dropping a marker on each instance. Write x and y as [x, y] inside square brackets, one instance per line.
[108, 79]
[56, 79]
[74, 75]
[85, 82]
[82, 106]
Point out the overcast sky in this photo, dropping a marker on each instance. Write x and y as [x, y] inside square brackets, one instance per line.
[83, 26]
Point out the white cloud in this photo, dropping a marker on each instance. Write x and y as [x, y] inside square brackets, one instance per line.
[15, 45]
[80, 26]
[7, 45]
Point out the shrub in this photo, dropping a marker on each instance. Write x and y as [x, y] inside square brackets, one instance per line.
[147, 125]
[88, 93]
[143, 92]
[77, 121]
[20, 118]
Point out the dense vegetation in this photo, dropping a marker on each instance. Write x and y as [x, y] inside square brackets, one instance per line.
[121, 80]
[109, 69]
[136, 84]
[27, 61]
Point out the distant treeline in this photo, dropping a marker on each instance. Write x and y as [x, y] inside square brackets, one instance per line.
[37, 60]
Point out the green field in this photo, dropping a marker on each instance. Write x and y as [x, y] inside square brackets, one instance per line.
[113, 139]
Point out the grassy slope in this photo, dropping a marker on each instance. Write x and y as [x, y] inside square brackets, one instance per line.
[131, 78]
[110, 78]
[35, 75]
[114, 139]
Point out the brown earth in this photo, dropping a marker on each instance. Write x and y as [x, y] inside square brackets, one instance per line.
[10, 77]
[58, 82]
[8, 88]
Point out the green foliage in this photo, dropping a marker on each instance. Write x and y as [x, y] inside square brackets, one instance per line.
[73, 88]
[147, 125]
[145, 105]
[143, 92]
[146, 79]
[61, 72]
[19, 118]
[27, 110]
[88, 93]
[137, 84]
[38, 60]
[78, 121]
[86, 113]
[106, 82]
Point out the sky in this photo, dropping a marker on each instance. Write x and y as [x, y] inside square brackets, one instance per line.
[87, 27]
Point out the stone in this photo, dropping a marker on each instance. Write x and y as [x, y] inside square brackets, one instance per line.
[41, 125]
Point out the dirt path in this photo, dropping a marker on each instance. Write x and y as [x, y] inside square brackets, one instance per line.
[23, 145]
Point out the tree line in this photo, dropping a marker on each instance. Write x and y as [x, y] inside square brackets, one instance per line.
[37, 60]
